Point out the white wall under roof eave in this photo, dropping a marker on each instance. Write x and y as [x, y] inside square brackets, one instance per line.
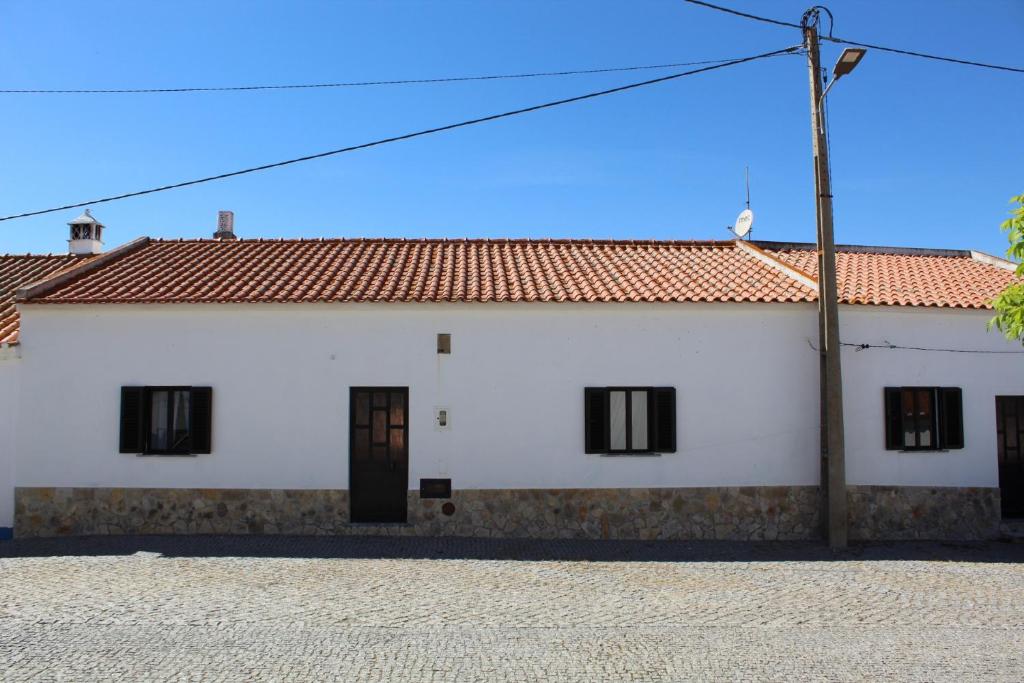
[513, 383]
[981, 376]
[745, 375]
[9, 375]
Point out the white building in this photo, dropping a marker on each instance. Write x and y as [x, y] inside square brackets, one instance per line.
[17, 271]
[507, 388]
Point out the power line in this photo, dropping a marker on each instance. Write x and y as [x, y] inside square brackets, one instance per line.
[755, 17]
[359, 84]
[408, 136]
[897, 347]
[844, 41]
[911, 53]
[887, 345]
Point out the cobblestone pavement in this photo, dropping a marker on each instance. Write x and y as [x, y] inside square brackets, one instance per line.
[259, 608]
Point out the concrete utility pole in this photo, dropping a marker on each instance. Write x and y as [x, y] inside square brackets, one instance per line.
[833, 481]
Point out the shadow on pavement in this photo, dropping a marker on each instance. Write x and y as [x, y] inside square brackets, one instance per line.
[353, 547]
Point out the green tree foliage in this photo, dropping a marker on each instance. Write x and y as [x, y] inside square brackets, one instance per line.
[1010, 304]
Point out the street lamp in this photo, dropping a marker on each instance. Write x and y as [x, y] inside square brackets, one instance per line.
[833, 441]
[848, 61]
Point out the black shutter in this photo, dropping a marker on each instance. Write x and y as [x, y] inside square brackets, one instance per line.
[131, 440]
[664, 420]
[595, 408]
[893, 419]
[951, 418]
[201, 418]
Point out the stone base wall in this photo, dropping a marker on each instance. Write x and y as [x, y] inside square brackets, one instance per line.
[923, 513]
[734, 513]
[721, 513]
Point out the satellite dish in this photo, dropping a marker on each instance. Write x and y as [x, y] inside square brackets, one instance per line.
[744, 222]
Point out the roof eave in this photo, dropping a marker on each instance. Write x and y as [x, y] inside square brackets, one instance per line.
[991, 260]
[806, 279]
[25, 294]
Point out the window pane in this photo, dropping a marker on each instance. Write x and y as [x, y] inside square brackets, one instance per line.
[362, 408]
[639, 415]
[909, 419]
[380, 425]
[617, 419]
[925, 417]
[397, 408]
[361, 443]
[179, 420]
[159, 405]
[397, 442]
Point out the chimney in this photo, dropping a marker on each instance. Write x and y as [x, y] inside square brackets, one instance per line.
[225, 226]
[86, 235]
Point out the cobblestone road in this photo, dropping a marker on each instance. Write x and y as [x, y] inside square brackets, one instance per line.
[472, 610]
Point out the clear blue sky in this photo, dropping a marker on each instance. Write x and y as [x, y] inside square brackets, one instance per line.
[924, 153]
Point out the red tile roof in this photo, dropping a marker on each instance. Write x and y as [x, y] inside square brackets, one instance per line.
[905, 277]
[350, 270]
[20, 270]
[482, 270]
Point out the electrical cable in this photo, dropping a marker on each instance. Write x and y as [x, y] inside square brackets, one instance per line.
[755, 17]
[408, 136]
[923, 55]
[844, 41]
[813, 17]
[356, 84]
[897, 347]
[887, 345]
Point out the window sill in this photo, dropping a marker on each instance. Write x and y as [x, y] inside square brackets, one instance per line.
[926, 450]
[628, 455]
[165, 455]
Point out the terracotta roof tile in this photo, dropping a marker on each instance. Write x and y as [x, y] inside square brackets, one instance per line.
[482, 270]
[17, 271]
[429, 270]
[906, 277]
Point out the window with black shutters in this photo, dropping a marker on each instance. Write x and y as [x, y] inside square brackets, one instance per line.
[923, 418]
[630, 420]
[166, 420]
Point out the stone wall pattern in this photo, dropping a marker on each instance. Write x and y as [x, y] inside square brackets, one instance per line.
[923, 513]
[718, 513]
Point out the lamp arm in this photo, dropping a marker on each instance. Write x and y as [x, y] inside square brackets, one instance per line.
[822, 98]
[827, 88]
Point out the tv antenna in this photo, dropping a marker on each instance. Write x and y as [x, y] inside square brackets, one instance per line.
[745, 221]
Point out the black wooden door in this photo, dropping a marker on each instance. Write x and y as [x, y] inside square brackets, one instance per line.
[1009, 437]
[378, 453]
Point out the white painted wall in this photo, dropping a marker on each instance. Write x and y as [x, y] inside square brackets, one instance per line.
[745, 375]
[514, 384]
[982, 378]
[9, 370]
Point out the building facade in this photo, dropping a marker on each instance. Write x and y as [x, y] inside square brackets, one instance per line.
[16, 271]
[505, 388]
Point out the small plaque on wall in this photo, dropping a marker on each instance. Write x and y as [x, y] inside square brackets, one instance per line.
[435, 488]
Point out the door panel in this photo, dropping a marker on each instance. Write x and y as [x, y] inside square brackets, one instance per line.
[378, 454]
[1010, 444]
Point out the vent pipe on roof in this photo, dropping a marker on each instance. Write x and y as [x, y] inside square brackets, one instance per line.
[225, 226]
[86, 235]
